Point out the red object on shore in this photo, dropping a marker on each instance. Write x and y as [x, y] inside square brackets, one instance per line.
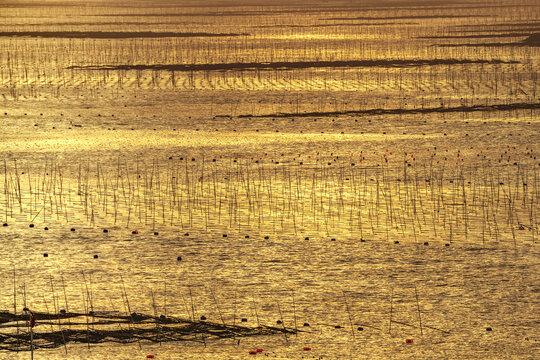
[307, 348]
[32, 320]
[259, 350]
[252, 352]
[409, 341]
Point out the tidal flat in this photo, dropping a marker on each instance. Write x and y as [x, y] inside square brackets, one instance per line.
[311, 179]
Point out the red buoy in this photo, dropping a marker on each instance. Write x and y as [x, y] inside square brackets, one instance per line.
[252, 352]
[149, 356]
[259, 350]
[307, 348]
[409, 341]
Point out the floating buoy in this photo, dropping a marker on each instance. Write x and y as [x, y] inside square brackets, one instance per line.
[72, 229]
[45, 255]
[260, 350]
[333, 239]
[150, 356]
[267, 237]
[362, 240]
[409, 341]
[105, 231]
[307, 348]
[306, 324]
[31, 225]
[63, 312]
[5, 224]
[426, 243]
[134, 232]
[224, 235]
[96, 256]
[446, 245]
[337, 327]
[360, 328]
[243, 320]
[156, 233]
[279, 322]
[179, 258]
[186, 234]
[489, 329]
[252, 352]
[396, 242]
[45, 228]
[203, 318]
[306, 238]
[247, 236]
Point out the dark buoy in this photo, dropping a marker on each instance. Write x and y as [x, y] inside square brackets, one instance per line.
[179, 258]
[45, 255]
[203, 318]
[306, 324]
[279, 322]
[63, 312]
[186, 234]
[362, 240]
[426, 243]
[247, 236]
[446, 245]
[5, 224]
[360, 328]
[266, 237]
[224, 235]
[396, 242]
[72, 229]
[96, 256]
[332, 239]
[91, 313]
[306, 238]
[489, 329]
[243, 320]
[134, 232]
[337, 327]
[45, 228]
[156, 233]
[31, 225]
[105, 231]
